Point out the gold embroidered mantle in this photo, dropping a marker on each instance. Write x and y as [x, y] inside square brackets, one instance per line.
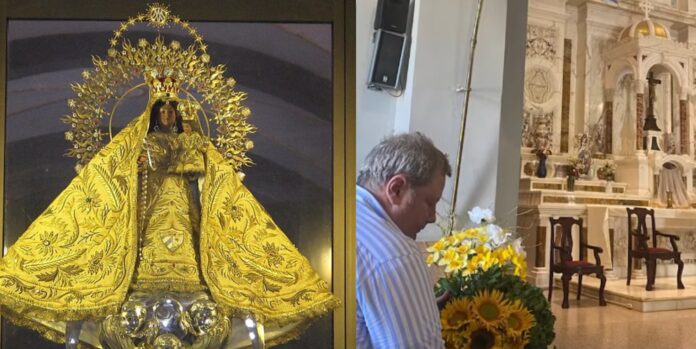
[76, 261]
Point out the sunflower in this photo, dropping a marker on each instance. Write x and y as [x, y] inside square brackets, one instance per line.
[479, 336]
[516, 342]
[455, 315]
[454, 339]
[489, 308]
[519, 320]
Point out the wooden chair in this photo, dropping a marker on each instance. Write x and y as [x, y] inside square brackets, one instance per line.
[651, 254]
[566, 265]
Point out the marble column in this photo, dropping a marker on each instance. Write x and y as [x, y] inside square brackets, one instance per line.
[608, 121]
[541, 247]
[639, 121]
[683, 127]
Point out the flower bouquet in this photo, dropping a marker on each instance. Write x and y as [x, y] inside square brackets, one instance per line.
[490, 305]
[607, 172]
[575, 168]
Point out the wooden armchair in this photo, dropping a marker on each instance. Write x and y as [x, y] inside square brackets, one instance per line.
[565, 264]
[640, 248]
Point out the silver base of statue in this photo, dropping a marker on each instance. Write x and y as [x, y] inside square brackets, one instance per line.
[167, 320]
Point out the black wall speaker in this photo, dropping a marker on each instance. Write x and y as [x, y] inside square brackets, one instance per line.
[392, 15]
[388, 60]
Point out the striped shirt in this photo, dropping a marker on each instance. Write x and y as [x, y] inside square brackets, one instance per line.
[396, 306]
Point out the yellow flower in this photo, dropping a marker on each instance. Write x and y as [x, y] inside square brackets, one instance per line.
[471, 268]
[464, 249]
[519, 320]
[437, 246]
[455, 315]
[489, 308]
[452, 240]
[436, 250]
[516, 343]
[520, 266]
[506, 253]
[471, 233]
[454, 339]
[484, 258]
[460, 236]
[479, 333]
[454, 265]
[481, 249]
[447, 257]
[430, 259]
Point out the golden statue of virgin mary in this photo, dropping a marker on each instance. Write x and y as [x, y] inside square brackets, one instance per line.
[153, 226]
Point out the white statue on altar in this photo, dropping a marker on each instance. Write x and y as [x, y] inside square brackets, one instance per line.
[671, 189]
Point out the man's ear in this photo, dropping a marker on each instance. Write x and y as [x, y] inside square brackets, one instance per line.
[396, 188]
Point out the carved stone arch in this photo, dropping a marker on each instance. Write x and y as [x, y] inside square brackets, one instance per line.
[677, 160]
[617, 69]
[685, 166]
[680, 77]
[670, 63]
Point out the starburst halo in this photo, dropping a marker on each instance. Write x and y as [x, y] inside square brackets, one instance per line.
[123, 69]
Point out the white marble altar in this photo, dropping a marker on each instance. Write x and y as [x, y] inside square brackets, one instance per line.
[624, 77]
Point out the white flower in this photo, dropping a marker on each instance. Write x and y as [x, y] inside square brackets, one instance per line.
[479, 215]
[496, 235]
[517, 246]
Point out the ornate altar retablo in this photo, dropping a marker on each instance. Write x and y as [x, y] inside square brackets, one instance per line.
[156, 243]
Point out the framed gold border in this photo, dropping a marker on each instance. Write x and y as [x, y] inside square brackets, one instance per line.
[339, 13]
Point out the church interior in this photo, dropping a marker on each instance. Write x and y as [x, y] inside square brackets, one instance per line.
[591, 117]
[609, 116]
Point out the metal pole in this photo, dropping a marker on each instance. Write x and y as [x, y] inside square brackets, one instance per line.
[465, 113]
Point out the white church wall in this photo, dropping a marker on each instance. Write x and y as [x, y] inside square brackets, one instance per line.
[440, 61]
[375, 110]
[431, 103]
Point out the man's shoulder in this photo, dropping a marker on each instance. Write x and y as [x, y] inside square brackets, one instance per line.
[373, 256]
[377, 239]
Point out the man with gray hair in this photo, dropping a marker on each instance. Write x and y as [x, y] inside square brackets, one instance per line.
[398, 188]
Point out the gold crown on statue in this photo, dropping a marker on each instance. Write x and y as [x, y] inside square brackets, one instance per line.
[163, 83]
[168, 69]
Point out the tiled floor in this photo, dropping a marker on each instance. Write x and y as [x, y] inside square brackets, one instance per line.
[586, 325]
